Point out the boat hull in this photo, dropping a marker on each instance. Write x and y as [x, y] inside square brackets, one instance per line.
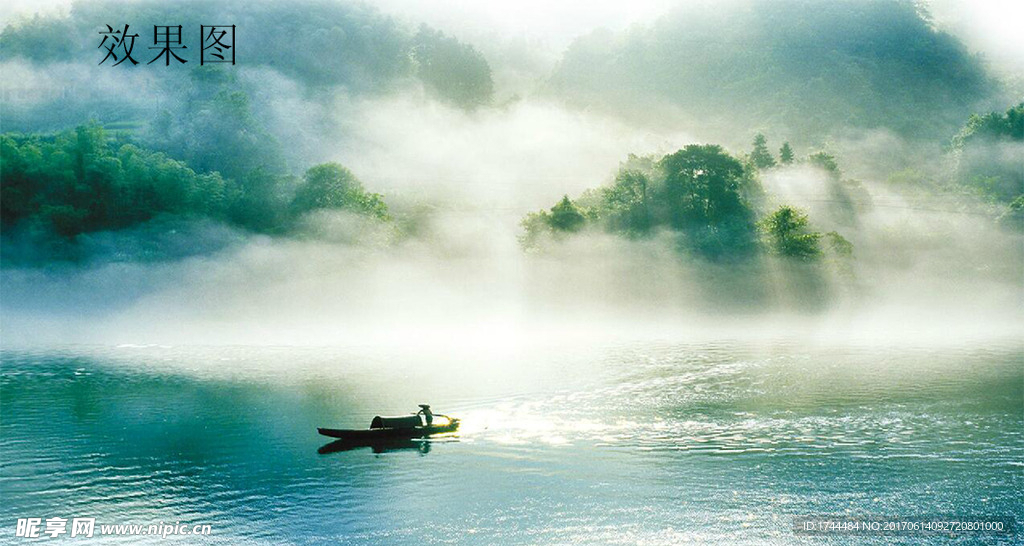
[386, 433]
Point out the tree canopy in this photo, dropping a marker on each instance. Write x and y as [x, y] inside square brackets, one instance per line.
[709, 199]
[787, 233]
[760, 156]
[785, 154]
[988, 151]
[318, 44]
[700, 192]
[332, 186]
[322, 44]
[84, 180]
[454, 71]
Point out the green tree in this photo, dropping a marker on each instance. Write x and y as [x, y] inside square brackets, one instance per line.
[536, 225]
[760, 155]
[785, 154]
[84, 180]
[826, 162]
[39, 39]
[993, 126]
[704, 195]
[57, 187]
[787, 233]
[702, 185]
[1013, 216]
[986, 151]
[260, 201]
[215, 129]
[839, 245]
[701, 192]
[332, 186]
[626, 203]
[21, 183]
[856, 77]
[566, 216]
[454, 71]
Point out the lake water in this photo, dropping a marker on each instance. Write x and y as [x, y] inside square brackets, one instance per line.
[653, 442]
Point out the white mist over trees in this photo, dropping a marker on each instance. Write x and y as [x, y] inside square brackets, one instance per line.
[799, 67]
[764, 156]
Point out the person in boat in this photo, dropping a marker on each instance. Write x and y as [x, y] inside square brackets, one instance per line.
[428, 416]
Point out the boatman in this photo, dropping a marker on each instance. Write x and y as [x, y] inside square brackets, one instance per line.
[428, 417]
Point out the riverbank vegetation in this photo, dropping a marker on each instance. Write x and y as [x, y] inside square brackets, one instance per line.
[81, 181]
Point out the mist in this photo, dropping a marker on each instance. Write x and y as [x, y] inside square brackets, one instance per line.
[666, 271]
[459, 178]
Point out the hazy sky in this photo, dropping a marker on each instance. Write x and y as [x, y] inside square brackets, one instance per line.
[990, 26]
[465, 272]
[993, 27]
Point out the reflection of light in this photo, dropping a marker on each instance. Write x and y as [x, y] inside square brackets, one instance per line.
[517, 425]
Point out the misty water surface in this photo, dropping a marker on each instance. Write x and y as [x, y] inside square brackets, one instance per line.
[613, 388]
[657, 441]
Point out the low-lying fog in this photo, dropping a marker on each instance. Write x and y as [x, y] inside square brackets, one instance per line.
[924, 266]
[930, 269]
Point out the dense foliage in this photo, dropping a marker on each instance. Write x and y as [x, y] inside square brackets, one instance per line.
[332, 186]
[989, 151]
[453, 71]
[800, 67]
[348, 46]
[214, 127]
[787, 233]
[39, 39]
[84, 180]
[711, 201]
[785, 154]
[199, 143]
[760, 156]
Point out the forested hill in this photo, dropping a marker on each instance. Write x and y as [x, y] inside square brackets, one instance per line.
[798, 67]
[59, 187]
[319, 44]
[243, 122]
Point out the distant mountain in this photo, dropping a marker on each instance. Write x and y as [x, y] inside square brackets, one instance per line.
[799, 68]
[291, 56]
[319, 44]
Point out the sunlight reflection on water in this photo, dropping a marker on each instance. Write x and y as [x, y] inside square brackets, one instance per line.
[650, 443]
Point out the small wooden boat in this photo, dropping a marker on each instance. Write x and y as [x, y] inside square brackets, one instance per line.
[395, 427]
